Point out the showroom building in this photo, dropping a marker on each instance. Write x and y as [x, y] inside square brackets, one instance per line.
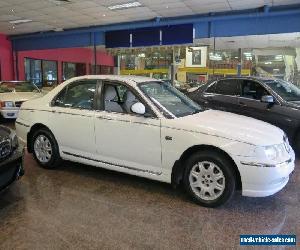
[262, 41]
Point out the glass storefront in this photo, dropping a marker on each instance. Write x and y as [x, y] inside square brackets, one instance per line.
[276, 55]
[73, 69]
[41, 72]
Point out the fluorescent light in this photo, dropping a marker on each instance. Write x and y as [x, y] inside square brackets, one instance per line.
[19, 21]
[124, 6]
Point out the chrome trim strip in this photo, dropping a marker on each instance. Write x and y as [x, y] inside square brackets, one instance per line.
[262, 165]
[117, 165]
[203, 133]
[128, 121]
[22, 124]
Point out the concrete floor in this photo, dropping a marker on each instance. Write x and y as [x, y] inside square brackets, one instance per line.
[81, 207]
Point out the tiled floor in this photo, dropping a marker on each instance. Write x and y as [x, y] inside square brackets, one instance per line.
[81, 207]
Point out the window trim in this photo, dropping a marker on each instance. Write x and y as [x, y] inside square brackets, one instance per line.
[52, 103]
[100, 108]
[42, 69]
[62, 68]
[276, 101]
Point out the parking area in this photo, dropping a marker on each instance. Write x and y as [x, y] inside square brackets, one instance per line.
[82, 207]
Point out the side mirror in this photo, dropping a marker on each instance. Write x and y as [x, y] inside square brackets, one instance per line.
[267, 99]
[138, 108]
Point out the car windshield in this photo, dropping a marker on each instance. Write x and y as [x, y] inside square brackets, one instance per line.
[6, 87]
[170, 101]
[287, 91]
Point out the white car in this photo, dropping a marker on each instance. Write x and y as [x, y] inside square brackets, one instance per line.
[13, 94]
[144, 127]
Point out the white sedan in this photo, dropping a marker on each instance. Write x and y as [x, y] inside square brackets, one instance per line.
[144, 127]
[13, 94]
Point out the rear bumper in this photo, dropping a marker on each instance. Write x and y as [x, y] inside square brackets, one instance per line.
[12, 168]
[10, 113]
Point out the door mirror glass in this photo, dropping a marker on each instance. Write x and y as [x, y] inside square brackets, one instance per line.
[267, 99]
[138, 108]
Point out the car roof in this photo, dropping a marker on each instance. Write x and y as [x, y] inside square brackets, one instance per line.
[127, 78]
[258, 78]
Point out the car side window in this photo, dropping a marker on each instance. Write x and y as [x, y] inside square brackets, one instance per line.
[77, 95]
[227, 87]
[253, 90]
[211, 89]
[118, 98]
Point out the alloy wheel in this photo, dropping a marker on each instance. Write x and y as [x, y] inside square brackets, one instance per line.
[43, 149]
[207, 180]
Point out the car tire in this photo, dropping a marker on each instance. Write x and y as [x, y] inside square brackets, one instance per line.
[45, 149]
[209, 178]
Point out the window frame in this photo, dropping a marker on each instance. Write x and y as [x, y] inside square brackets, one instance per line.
[42, 70]
[229, 79]
[100, 107]
[276, 101]
[52, 103]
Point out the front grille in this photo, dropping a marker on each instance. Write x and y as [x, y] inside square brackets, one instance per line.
[5, 148]
[18, 104]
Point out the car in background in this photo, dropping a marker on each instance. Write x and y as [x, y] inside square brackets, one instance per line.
[271, 100]
[181, 86]
[13, 94]
[11, 164]
[145, 127]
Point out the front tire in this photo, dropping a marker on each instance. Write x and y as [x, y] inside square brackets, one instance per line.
[209, 178]
[45, 149]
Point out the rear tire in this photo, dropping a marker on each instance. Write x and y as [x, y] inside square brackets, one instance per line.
[45, 149]
[209, 178]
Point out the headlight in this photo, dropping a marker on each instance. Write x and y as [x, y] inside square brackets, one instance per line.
[8, 104]
[274, 151]
[270, 152]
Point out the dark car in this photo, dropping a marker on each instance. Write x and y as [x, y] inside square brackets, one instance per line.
[267, 99]
[11, 154]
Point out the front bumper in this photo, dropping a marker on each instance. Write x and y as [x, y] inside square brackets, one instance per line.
[11, 168]
[260, 181]
[10, 113]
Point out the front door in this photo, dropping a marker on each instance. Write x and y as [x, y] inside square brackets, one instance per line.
[252, 106]
[124, 140]
[74, 105]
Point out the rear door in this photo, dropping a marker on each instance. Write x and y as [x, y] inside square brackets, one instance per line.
[72, 118]
[223, 95]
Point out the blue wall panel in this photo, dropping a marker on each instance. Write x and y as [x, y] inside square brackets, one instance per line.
[202, 29]
[115, 39]
[54, 42]
[177, 34]
[256, 26]
[146, 37]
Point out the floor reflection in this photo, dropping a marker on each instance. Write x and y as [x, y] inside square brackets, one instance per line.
[78, 206]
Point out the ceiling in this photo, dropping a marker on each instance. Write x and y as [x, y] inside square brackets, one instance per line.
[49, 15]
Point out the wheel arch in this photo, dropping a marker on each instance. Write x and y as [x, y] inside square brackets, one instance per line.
[178, 168]
[34, 128]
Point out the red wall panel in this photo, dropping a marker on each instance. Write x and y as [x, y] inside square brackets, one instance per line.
[6, 60]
